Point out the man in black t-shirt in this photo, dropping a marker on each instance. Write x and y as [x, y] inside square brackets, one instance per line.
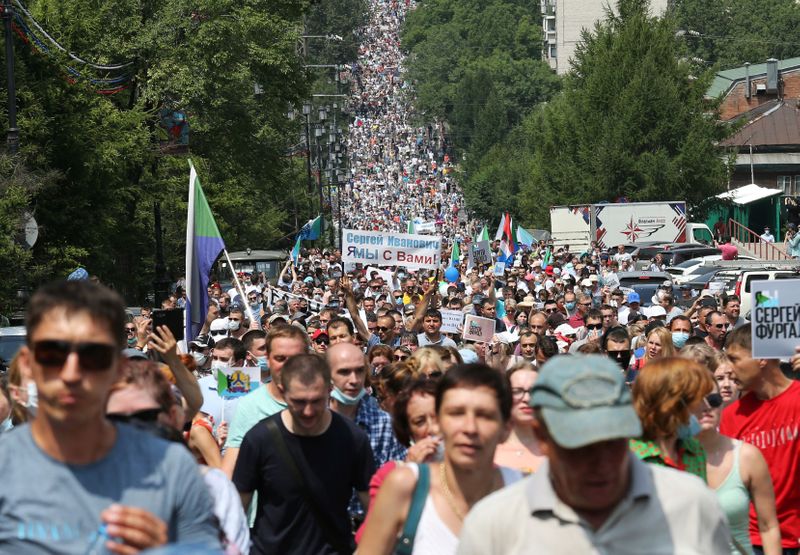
[332, 454]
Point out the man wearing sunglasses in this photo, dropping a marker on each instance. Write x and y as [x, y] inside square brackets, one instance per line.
[593, 330]
[717, 327]
[74, 482]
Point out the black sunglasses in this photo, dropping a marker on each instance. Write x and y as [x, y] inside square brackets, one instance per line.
[383, 328]
[401, 357]
[130, 330]
[92, 356]
[321, 341]
[149, 416]
[594, 326]
[714, 400]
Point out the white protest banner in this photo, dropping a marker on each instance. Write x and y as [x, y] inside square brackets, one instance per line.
[385, 274]
[237, 381]
[391, 249]
[425, 227]
[481, 252]
[776, 318]
[478, 328]
[451, 320]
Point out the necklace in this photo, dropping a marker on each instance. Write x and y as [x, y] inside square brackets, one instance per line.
[448, 495]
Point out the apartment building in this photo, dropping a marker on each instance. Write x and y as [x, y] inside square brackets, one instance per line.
[563, 20]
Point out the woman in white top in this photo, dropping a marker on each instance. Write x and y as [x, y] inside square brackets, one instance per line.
[473, 407]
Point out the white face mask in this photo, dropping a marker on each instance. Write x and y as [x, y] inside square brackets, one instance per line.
[219, 365]
[233, 325]
[33, 396]
[199, 358]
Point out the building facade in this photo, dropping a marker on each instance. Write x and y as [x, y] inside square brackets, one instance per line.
[564, 20]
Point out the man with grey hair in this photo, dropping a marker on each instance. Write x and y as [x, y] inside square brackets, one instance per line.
[592, 495]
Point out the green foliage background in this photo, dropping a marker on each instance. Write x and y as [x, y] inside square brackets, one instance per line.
[90, 167]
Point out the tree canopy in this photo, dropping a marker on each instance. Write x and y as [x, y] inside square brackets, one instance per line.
[233, 68]
[728, 33]
[632, 122]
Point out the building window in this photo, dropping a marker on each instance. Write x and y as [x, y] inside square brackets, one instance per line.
[796, 186]
[552, 53]
[785, 183]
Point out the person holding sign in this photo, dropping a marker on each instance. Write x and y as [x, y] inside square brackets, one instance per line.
[767, 415]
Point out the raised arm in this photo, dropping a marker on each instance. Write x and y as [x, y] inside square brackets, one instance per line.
[759, 484]
[352, 307]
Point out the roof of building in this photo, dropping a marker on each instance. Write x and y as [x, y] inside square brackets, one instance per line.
[724, 80]
[748, 194]
[779, 125]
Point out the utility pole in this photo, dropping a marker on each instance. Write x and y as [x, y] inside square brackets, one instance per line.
[12, 138]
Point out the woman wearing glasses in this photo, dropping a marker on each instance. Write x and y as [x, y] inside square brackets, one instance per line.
[521, 450]
[738, 473]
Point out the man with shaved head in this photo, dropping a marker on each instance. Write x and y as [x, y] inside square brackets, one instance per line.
[350, 399]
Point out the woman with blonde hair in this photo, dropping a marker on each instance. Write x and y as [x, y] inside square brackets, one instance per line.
[666, 396]
[658, 345]
[429, 362]
[702, 353]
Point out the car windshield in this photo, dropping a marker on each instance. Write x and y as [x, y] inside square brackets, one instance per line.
[9, 345]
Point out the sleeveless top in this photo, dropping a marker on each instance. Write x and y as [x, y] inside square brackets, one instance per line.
[433, 537]
[735, 502]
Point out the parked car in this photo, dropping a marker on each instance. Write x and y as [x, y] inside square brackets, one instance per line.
[11, 340]
[685, 270]
[673, 257]
[644, 283]
[747, 277]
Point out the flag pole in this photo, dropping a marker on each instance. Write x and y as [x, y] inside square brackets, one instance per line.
[239, 287]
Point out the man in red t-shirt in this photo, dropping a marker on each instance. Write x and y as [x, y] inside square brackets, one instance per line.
[768, 416]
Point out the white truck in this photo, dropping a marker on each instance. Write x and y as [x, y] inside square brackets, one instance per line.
[613, 224]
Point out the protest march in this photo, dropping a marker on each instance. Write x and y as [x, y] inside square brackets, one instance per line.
[427, 384]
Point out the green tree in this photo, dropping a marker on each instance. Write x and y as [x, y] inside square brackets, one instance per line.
[231, 66]
[632, 123]
[728, 33]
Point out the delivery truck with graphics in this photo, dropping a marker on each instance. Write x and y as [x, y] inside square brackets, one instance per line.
[618, 223]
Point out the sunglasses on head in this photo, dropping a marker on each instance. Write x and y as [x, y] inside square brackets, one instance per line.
[92, 356]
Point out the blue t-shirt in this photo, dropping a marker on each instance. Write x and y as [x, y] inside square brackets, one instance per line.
[47, 506]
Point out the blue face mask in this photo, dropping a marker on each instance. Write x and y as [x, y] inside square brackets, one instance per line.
[262, 362]
[689, 430]
[570, 306]
[344, 399]
[6, 425]
[679, 339]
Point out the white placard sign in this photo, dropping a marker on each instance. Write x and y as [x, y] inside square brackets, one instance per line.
[451, 320]
[481, 252]
[425, 227]
[478, 328]
[776, 318]
[391, 249]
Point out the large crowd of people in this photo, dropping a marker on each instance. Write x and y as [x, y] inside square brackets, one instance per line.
[332, 411]
[400, 172]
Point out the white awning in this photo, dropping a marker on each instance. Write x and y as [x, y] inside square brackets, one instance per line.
[749, 194]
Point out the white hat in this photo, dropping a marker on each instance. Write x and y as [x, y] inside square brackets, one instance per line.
[566, 329]
[654, 311]
[586, 283]
[593, 278]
